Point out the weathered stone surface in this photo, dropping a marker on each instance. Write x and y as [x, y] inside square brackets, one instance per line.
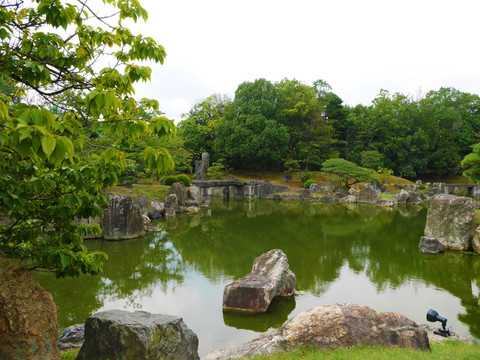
[122, 219]
[348, 199]
[304, 194]
[158, 210]
[287, 178]
[333, 326]
[201, 167]
[409, 198]
[319, 189]
[449, 220]
[72, 337]
[367, 195]
[124, 335]
[180, 190]
[232, 177]
[430, 245]
[270, 276]
[170, 211]
[171, 201]
[476, 240]
[435, 338]
[143, 203]
[193, 209]
[354, 190]
[28, 317]
[386, 202]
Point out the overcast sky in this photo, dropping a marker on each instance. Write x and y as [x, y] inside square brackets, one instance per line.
[358, 47]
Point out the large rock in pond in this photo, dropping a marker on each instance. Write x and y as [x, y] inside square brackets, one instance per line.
[270, 276]
[180, 190]
[476, 240]
[333, 326]
[28, 317]
[122, 219]
[367, 195]
[449, 220]
[124, 335]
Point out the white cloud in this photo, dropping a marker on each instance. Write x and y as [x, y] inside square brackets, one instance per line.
[359, 47]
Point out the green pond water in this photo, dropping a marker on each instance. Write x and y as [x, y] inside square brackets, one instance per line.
[339, 253]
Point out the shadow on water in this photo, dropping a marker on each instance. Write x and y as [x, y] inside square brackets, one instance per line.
[276, 314]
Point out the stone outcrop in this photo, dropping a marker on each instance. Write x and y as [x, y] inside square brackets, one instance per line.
[386, 202]
[72, 337]
[476, 240]
[430, 245]
[123, 335]
[367, 195]
[348, 199]
[201, 167]
[333, 326]
[28, 317]
[122, 219]
[196, 194]
[270, 276]
[158, 210]
[180, 191]
[409, 198]
[319, 189]
[449, 220]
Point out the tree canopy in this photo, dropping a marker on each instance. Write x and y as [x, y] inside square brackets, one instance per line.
[59, 51]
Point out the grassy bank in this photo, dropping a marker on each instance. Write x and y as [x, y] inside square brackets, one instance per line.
[447, 350]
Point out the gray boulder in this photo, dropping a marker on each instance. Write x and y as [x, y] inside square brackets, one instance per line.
[270, 276]
[72, 337]
[333, 326]
[122, 219]
[348, 199]
[304, 194]
[180, 191]
[409, 198]
[158, 210]
[124, 335]
[449, 220]
[196, 194]
[317, 188]
[430, 245]
[367, 195]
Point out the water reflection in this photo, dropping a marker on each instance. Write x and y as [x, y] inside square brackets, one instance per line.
[338, 253]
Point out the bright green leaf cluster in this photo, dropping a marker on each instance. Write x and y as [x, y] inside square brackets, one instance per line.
[49, 181]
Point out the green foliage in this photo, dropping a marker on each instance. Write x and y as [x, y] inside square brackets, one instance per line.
[291, 166]
[384, 175]
[216, 171]
[305, 175]
[386, 196]
[371, 159]
[184, 178]
[346, 170]
[421, 187]
[308, 183]
[170, 180]
[47, 177]
[471, 163]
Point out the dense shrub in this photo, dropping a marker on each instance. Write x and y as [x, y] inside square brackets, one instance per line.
[421, 187]
[308, 183]
[169, 180]
[305, 175]
[184, 178]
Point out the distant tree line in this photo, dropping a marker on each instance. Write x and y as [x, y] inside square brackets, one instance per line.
[292, 126]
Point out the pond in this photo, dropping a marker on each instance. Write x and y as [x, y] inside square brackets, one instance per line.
[339, 253]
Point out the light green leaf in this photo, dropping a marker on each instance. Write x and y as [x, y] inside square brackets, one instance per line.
[48, 144]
